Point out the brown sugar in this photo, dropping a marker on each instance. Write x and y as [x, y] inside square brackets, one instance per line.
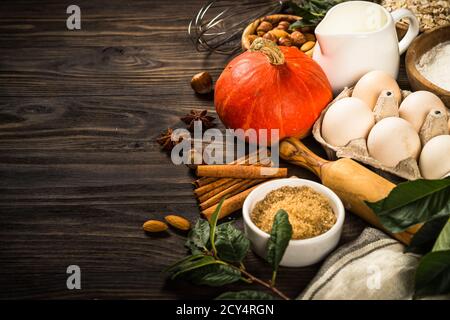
[310, 213]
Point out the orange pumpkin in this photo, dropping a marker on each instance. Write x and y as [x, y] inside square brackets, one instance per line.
[271, 87]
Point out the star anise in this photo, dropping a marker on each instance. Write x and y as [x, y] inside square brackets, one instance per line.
[199, 115]
[165, 140]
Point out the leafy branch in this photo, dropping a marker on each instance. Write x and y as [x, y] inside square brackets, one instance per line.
[311, 11]
[428, 202]
[218, 251]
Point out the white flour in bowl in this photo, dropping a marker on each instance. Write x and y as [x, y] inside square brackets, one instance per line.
[434, 65]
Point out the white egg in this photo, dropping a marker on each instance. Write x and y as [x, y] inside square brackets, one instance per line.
[417, 105]
[434, 160]
[392, 140]
[370, 86]
[347, 119]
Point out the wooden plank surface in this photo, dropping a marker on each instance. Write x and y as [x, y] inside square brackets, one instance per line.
[79, 169]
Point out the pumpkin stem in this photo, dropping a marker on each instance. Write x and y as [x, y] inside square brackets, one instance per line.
[270, 49]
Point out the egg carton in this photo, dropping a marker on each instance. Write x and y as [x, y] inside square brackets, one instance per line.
[435, 124]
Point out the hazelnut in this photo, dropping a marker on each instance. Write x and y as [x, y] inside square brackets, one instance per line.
[283, 25]
[285, 41]
[297, 38]
[307, 29]
[252, 38]
[264, 26]
[310, 37]
[260, 33]
[202, 82]
[270, 37]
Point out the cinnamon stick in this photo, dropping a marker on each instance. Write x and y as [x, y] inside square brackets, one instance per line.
[212, 186]
[215, 191]
[246, 160]
[240, 172]
[230, 205]
[216, 184]
[203, 181]
[231, 191]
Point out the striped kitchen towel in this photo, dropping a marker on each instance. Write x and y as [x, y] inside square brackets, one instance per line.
[371, 267]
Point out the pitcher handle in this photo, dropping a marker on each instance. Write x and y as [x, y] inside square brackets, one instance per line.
[413, 29]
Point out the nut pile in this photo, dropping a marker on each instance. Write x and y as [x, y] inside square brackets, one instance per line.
[431, 13]
[280, 33]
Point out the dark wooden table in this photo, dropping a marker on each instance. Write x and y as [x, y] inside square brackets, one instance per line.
[79, 168]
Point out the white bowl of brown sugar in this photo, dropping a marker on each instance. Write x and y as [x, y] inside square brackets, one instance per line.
[315, 212]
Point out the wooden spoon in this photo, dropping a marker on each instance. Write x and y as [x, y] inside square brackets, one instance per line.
[352, 182]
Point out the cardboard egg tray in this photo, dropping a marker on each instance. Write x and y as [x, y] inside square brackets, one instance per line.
[435, 124]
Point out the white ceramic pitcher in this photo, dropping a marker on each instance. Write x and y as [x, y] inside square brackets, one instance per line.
[356, 37]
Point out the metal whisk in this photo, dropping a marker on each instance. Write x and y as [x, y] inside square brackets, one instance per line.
[218, 25]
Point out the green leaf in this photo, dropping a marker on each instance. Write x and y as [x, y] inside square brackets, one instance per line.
[193, 248]
[231, 244]
[426, 236]
[279, 239]
[198, 237]
[214, 275]
[323, 5]
[192, 265]
[301, 11]
[176, 266]
[443, 241]
[433, 274]
[245, 295]
[302, 24]
[312, 12]
[213, 224]
[413, 202]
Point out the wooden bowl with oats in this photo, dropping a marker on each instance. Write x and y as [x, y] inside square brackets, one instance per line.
[422, 44]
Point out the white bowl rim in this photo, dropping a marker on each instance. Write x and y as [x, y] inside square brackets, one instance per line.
[327, 192]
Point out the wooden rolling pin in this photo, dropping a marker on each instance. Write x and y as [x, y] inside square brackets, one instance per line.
[352, 182]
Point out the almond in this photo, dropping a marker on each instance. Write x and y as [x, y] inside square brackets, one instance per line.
[308, 45]
[310, 52]
[154, 226]
[178, 222]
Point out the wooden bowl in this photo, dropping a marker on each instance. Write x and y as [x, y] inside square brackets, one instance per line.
[251, 28]
[426, 41]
